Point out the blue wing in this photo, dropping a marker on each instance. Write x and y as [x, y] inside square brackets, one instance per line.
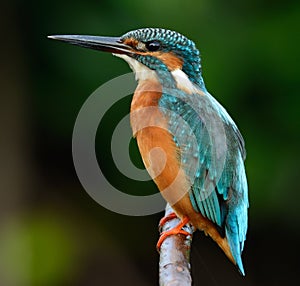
[214, 165]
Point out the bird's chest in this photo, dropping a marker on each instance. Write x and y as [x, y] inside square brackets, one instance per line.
[145, 111]
[150, 126]
[157, 147]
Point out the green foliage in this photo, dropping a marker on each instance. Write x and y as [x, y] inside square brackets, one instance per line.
[37, 250]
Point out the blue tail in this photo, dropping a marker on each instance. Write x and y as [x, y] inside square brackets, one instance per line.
[236, 247]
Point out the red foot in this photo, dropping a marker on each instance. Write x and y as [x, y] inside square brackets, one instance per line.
[176, 230]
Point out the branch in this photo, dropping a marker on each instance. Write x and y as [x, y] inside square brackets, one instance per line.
[174, 264]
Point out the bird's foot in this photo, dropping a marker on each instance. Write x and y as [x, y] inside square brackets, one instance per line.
[176, 230]
[165, 219]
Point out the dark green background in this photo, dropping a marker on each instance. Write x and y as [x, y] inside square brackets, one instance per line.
[51, 231]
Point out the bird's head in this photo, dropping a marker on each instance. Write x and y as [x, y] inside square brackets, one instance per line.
[160, 50]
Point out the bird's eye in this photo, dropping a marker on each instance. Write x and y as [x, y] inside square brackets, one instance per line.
[153, 46]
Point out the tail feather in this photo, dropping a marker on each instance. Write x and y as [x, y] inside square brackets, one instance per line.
[222, 242]
[230, 244]
[236, 250]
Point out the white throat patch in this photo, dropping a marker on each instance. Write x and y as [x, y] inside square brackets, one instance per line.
[141, 71]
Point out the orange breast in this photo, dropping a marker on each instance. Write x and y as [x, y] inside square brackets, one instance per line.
[155, 142]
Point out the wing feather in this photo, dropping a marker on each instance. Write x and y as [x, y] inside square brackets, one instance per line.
[218, 182]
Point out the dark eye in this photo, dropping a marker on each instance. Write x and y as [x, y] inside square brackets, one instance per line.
[153, 46]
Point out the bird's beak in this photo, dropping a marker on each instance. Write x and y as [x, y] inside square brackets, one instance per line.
[107, 44]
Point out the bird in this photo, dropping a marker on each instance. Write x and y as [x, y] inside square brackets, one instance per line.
[199, 166]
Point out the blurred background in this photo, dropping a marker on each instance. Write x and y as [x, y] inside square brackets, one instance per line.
[51, 231]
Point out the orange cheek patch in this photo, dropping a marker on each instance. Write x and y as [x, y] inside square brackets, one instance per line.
[169, 59]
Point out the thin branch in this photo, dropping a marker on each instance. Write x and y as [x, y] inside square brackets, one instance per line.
[174, 264]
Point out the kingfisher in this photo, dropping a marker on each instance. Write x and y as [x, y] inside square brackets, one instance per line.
[189, 144]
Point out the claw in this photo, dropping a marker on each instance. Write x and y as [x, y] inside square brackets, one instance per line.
[176, 230]
[165, 219]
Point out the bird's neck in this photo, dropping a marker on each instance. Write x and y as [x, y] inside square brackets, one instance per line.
[189, 76]
[178, 79]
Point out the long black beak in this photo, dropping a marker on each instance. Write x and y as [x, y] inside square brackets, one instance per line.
[107, 44]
